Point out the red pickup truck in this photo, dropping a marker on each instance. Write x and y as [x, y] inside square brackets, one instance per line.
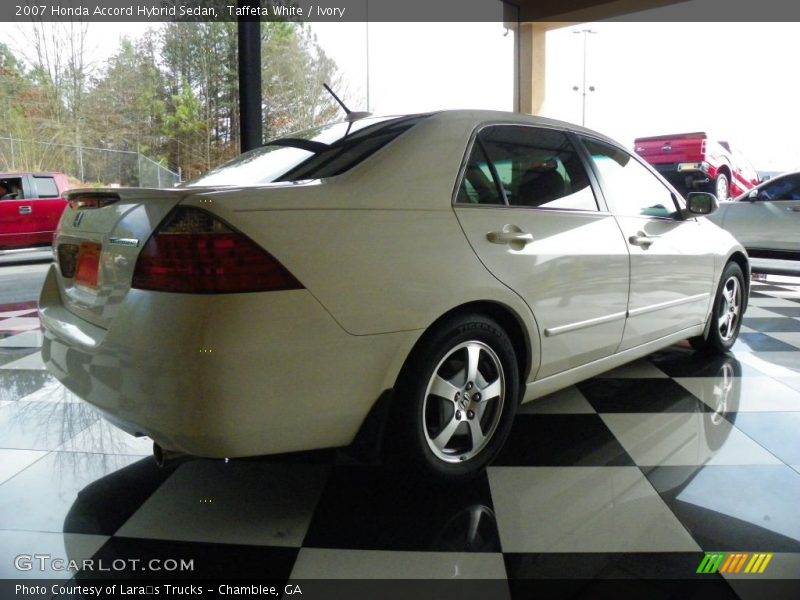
[692, 161]
[30, 208]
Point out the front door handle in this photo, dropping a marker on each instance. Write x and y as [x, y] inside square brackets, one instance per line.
[509, 237]
[795, 209]
[25, 210]
[642, 239]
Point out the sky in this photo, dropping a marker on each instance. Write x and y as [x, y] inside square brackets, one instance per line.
[734, 80]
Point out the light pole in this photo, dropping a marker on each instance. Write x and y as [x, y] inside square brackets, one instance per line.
[584, 90]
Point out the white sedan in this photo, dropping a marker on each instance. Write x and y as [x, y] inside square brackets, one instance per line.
[427, 273]
[766, 221]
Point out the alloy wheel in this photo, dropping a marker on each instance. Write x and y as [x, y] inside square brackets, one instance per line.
[730, 309]
[464, 402]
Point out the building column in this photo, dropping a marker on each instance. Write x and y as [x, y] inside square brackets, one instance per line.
[530, 67]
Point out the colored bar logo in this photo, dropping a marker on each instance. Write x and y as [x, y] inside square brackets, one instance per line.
[734, 562]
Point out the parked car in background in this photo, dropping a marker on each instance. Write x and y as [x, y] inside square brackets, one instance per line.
[766, 221]
[30, 208]
[692, 161]
[427, 273]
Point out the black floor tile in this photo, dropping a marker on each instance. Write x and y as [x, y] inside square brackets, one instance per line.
[761, 342]
[639, 396]
[786, 311]
[208, 561]
[601, 565]
[106, 504]
[561, 440]
[770, 324]
[377, 509]
[777, 432]
[734, 508]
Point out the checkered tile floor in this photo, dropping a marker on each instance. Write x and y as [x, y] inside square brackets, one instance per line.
[632, 474]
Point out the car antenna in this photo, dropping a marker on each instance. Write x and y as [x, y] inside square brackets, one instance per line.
[351, 116]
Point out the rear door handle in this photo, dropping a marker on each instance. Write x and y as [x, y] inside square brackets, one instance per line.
[795, 209]
[509, 237]
[25, 210]
[642, 239]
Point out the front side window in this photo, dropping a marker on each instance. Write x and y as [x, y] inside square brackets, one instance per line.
[785, 188]
[630, 188]
[525, 167]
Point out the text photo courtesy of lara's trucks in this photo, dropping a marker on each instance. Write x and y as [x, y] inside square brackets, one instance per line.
[30, 208]
[694, 161]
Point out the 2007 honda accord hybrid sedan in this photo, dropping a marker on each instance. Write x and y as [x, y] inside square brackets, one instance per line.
[427, 272]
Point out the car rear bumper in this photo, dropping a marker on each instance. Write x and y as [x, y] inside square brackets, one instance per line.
[221, 375]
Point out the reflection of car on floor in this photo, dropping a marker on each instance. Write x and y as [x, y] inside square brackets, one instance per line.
[30, 207]
[452, 264]
[695, 161]
[766, 221]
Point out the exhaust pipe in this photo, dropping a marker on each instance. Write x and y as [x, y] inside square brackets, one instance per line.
[168, 458]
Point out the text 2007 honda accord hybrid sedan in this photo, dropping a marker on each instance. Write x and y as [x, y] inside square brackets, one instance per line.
[433, 271]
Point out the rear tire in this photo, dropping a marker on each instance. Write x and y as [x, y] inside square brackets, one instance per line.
[726, 315]
[455, 399]
[721, 187]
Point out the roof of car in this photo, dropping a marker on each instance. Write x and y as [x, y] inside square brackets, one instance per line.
[498, 116]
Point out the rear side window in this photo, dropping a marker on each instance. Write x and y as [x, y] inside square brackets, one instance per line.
[525, 167]
[45, 187]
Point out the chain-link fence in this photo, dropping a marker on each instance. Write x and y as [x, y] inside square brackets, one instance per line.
[88, 165]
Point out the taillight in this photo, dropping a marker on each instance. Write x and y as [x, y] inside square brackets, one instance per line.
[193, 252]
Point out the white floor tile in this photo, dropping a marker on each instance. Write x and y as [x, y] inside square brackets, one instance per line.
[237, 503]
[52, 391]
[20, 324]
[583, 509]
[105, 438]
[676, 439]
[10, 314]
[324, 563]
[26, 339]
[568, 401]
[743, 394]
[32, 362]
[771, 302]
[14, 461]
[772, 369]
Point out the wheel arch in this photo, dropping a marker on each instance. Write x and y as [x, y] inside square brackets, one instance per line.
[507, 318]
[741, 259]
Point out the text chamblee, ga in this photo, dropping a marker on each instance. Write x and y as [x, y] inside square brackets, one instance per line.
[286, 11]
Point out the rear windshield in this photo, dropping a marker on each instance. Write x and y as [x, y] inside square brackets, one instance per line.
[311, 154]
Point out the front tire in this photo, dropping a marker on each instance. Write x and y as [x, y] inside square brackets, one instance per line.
[455, 399]
[726, 316]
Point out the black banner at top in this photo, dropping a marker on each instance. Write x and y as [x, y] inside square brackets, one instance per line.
[510, 11]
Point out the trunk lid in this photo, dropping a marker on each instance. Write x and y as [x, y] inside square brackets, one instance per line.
[96, 248]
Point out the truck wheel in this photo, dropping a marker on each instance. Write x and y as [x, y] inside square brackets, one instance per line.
[722, 187]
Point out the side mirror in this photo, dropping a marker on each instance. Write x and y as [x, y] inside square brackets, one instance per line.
[700, 204]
